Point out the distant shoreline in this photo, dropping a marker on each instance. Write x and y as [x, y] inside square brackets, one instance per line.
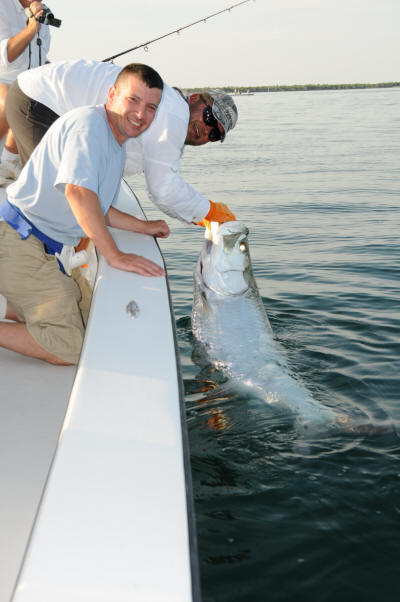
[298, 87]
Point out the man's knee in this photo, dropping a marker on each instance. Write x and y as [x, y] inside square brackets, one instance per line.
[61, 341]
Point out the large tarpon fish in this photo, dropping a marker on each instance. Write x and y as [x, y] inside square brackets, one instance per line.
[229, 319]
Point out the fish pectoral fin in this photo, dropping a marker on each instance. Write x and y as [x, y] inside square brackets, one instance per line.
[204, 302]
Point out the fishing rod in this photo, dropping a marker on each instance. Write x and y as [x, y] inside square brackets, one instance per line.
[145, 45]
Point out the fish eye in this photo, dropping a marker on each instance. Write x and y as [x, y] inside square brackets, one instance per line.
[242, 247]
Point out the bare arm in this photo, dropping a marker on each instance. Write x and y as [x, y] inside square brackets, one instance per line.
[124, 221]
[17, 44]
[87, 211]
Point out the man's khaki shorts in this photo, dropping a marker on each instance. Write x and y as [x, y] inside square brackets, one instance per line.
[53, 306]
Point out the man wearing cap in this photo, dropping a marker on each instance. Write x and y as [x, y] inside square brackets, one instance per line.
[41, 95]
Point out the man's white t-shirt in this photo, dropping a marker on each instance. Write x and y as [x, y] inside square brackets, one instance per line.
[157, 152]
[79, 149]
[12, 21]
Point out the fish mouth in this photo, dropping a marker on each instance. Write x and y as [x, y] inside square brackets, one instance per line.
[230, 283]
[235, 282]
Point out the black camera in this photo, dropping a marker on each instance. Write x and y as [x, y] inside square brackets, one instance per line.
[47, 18]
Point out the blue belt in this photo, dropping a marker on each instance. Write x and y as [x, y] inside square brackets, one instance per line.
[17, 220]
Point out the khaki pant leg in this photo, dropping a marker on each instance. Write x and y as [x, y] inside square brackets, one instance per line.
[42, 296]
[86, 293]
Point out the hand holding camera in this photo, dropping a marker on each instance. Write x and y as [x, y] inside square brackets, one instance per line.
[42, 14]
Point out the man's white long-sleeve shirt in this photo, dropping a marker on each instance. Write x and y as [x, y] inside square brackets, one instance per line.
[157, 152]
[12, 21]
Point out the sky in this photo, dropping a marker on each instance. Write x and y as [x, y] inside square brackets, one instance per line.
[262, 42]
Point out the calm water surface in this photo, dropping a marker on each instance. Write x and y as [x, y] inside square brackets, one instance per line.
[315, 176]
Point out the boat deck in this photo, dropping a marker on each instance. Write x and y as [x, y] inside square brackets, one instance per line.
[31, 417]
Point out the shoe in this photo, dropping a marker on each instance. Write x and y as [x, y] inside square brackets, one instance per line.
[10, 169]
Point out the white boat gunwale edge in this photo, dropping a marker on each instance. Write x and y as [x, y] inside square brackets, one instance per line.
[193, 543]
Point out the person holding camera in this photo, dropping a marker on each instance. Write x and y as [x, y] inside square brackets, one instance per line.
[24, 44]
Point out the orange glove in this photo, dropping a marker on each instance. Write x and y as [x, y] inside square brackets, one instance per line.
[219, 212]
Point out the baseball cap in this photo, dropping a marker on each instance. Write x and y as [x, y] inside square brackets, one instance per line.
[224, 110]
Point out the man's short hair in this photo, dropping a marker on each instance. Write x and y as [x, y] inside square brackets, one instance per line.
[147, 74]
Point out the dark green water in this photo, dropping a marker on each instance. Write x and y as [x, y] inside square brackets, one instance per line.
[315, 176]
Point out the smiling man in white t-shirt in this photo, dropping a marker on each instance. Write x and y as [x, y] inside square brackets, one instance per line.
[65, 191]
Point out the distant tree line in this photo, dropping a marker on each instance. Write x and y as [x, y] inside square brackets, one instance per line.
[299, 87]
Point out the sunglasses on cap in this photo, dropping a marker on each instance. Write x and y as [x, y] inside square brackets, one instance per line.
[210, 120]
